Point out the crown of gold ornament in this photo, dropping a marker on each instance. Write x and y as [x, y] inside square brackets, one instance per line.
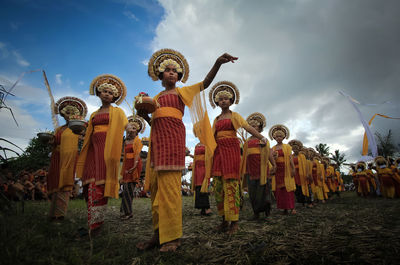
[380, 160]
[71, 104]
[223, 88]
[109, 81]
[278, 128]
[257, 118]
[164, 57]
[296, 142]
[138, 121]
[361, 163]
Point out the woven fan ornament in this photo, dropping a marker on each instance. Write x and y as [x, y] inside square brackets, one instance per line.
[257, 117]
[139, 121]
[164, 57]
[298, 143]
[73, 103]
[223, 86]
[276, 128]
[111, 81]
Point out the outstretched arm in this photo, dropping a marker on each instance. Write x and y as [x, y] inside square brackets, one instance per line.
[255, 133]
[214, 70]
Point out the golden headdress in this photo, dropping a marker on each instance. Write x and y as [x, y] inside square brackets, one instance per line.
[109, 81]
[325, 160]
[161, 58]
[221, 86]
[380, 160]
[139, 121]
[361, 163]
[297, 143]
[257, 118]
[303, 150]
[74, 106]
[279, 128]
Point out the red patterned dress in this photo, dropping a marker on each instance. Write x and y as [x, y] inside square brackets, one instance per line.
[284, 199]
[94, 174]
[226, 170]
[168, 148]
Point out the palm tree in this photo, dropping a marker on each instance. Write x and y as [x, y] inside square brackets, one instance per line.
[386, 146]
[338, 158]
[322, 149]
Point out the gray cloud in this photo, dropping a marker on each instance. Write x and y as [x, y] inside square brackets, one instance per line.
[294, 57]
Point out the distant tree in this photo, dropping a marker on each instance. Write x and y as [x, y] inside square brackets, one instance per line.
[35, 156]
[338, 158]
[386, 146]
[322, 149]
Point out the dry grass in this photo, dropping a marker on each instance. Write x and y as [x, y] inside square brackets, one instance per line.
[345, 230]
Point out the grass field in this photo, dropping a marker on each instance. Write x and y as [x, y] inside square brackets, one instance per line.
[344, 230]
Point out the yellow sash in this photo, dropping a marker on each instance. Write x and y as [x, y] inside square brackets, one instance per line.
[226, 134]
[130, 155]
[280, 159]
[253, 151]
[167, 112]
[101, 128]
[199, 157]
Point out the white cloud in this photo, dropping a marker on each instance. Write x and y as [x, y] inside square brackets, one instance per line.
[130, 15]
[20, 60]
[5, 53]
[293, 59]
[81, 83]
[58, 79]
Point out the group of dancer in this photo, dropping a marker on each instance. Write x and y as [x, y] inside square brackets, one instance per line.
[289, 172]
[385, 181]
[285, 169]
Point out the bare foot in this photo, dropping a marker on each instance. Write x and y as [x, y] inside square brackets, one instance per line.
[293, 211]
[152, 243]
[171, 246]
[126, 217]
[223, 227]
[233, 228]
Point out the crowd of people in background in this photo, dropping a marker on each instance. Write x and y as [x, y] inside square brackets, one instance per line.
[378, 178]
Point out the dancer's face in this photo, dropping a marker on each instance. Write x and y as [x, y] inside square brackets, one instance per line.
[107, 95]
[170, 75]
[131, 131]
[224, 102]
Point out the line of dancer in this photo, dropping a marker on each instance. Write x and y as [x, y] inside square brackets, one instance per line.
[287, 172]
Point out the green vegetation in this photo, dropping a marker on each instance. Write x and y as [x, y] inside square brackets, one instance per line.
[344, 230]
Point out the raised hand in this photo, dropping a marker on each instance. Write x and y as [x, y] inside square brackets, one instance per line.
[225, 58]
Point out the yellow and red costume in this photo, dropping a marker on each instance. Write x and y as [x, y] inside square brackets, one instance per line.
[283, 183]
[226, 166]
[167, 160]
[61, 176]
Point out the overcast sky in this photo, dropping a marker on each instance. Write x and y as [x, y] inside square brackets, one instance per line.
[294, 57]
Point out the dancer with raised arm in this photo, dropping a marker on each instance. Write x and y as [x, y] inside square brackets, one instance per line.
[166, 157]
